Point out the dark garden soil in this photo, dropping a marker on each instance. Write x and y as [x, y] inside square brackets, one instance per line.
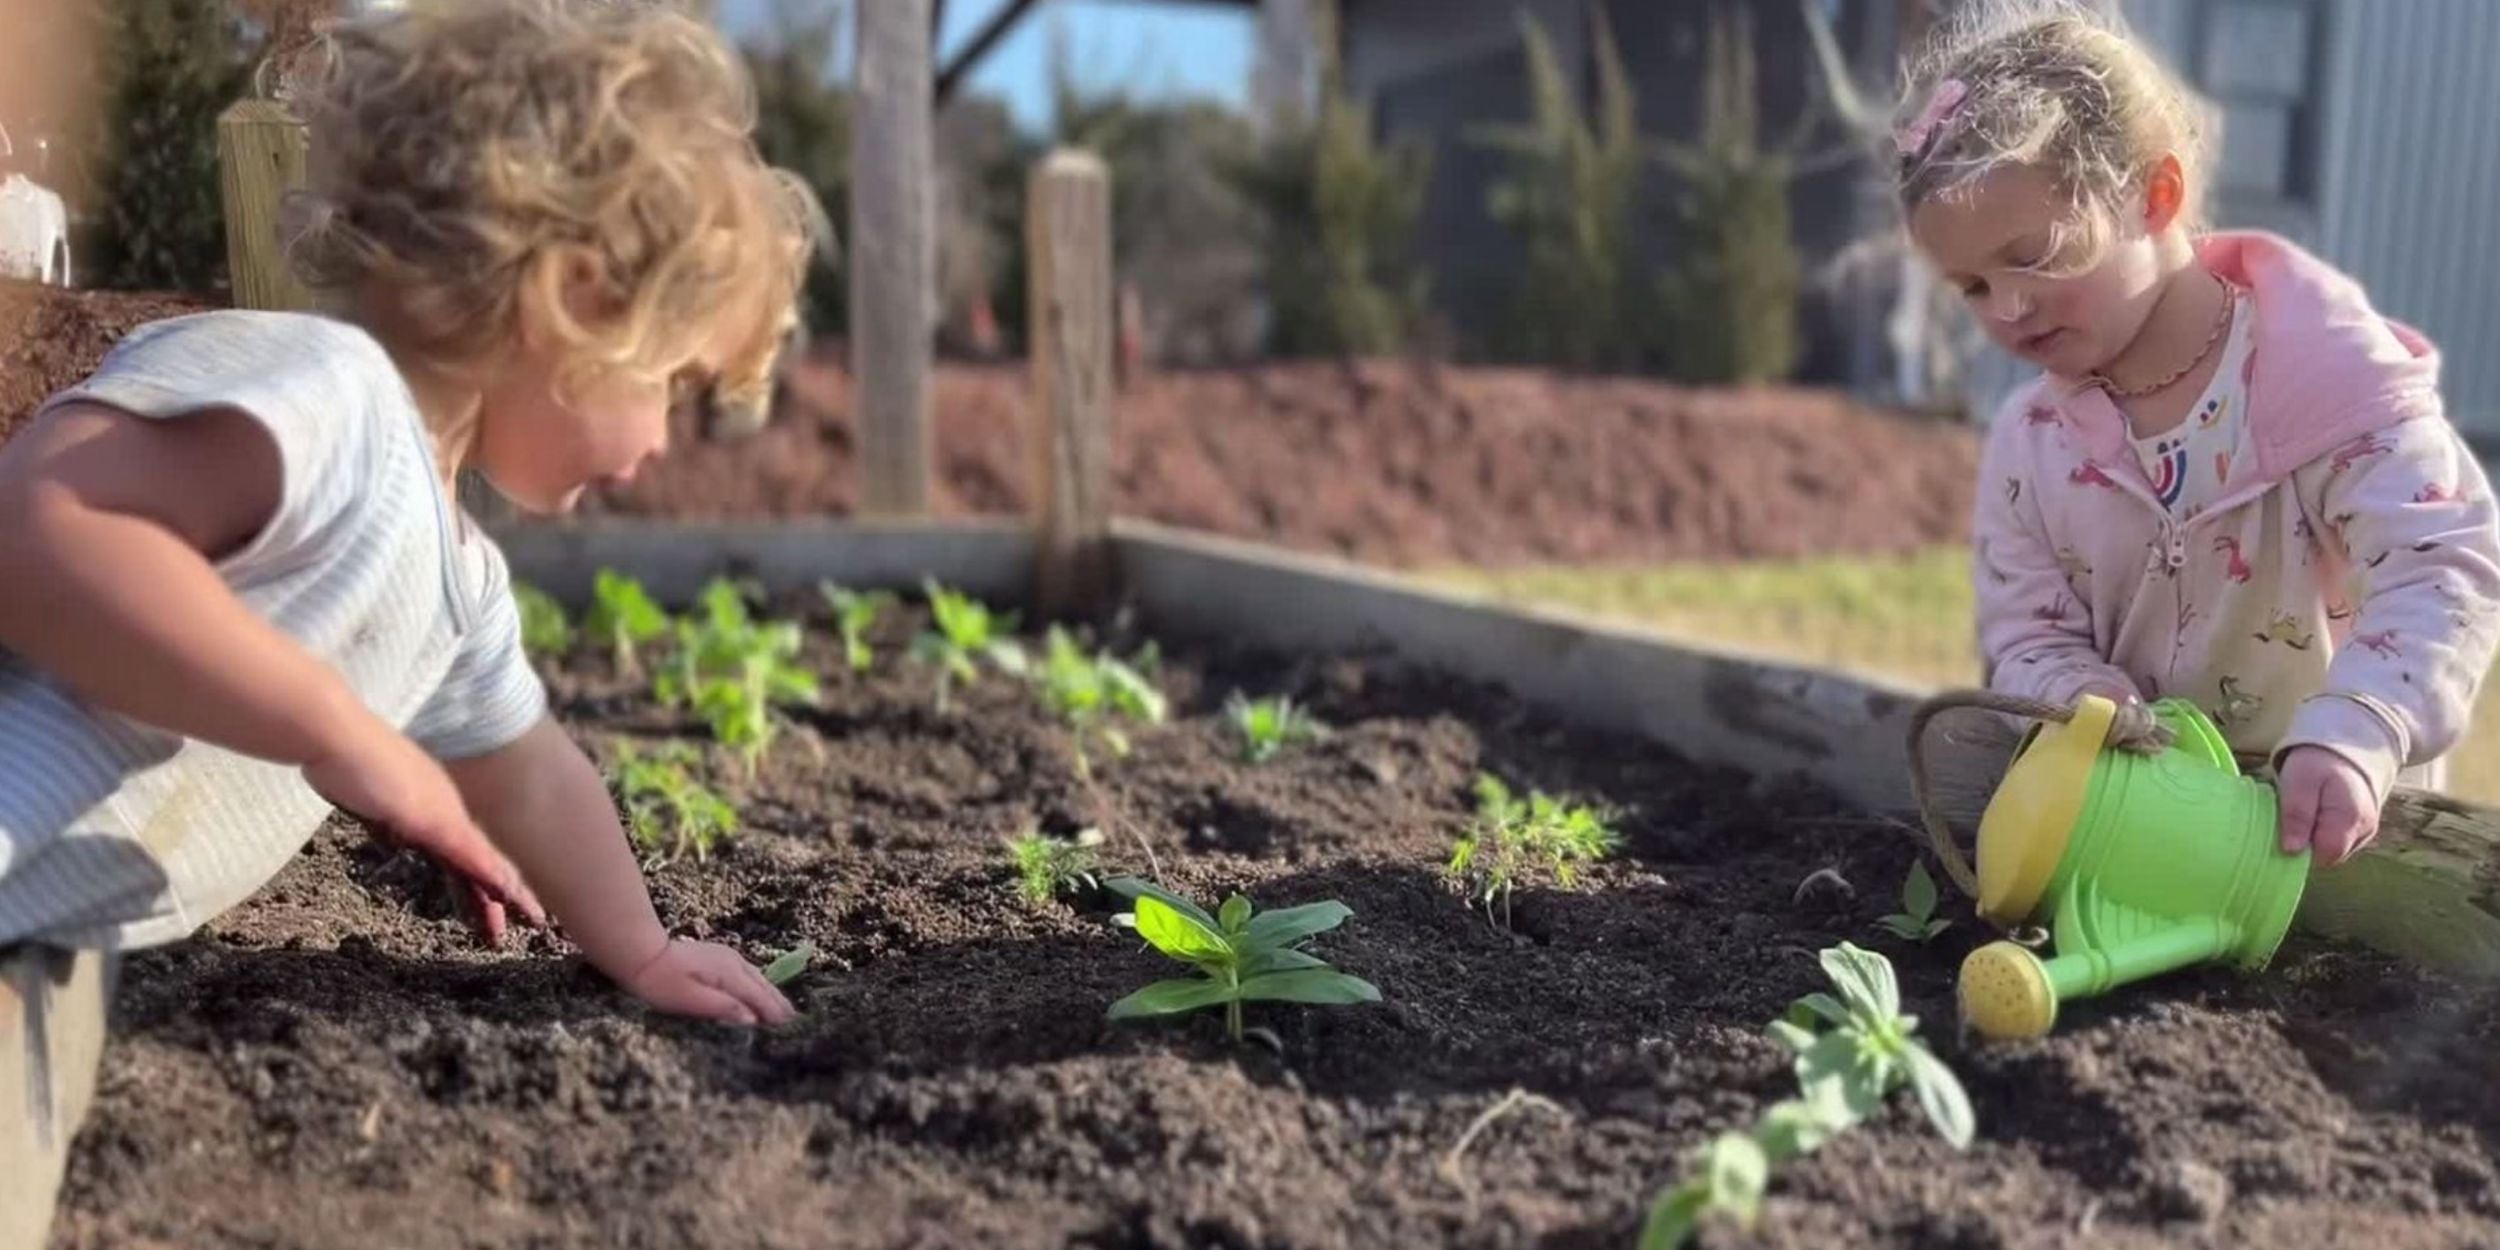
[335, 1064]
[50, 339]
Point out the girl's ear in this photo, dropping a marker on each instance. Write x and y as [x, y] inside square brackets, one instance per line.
[2165, 193]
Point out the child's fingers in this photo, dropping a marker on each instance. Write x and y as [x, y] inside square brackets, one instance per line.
[2299, 797]
[740, 980]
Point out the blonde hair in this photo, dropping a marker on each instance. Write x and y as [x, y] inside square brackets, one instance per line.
[470, 158]
[2061, 88]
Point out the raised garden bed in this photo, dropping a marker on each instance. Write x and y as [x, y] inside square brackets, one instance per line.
[333, 1063]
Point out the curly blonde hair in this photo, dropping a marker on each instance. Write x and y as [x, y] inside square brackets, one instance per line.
[471, 156]
[2057, 86]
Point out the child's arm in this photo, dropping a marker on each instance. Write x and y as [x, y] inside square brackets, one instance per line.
[108, 525]
[2035, 631]
[2417, 521]
[547, 807]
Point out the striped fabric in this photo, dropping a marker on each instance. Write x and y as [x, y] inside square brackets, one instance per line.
[114, 834]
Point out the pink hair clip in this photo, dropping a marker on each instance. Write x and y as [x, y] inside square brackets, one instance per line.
[1948, 96]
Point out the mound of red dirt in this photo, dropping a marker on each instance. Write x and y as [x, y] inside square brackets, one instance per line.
[49, 340]
[1381, 461]
[1399, 464]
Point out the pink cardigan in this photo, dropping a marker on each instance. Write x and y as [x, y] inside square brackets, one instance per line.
[2345, 590]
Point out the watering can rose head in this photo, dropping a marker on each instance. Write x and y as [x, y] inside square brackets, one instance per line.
[553, 215]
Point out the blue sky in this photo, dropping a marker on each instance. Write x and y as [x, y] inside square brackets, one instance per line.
[1152, 48]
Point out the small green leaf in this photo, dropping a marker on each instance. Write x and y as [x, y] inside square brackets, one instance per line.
[1234, 914]
[1941, 1096]
[1918, 893]
[1279, 959]
[1171, 998]
[1286, 926]
[1904, 927]
[1935, 927]
[1134, 888]
[1180, 935]
[1309, 985]
[1009, 658]
[1796, 1038]
[1818, 1004]
[1833, 1056]
[790, 964]
[1864, 980]
[1674, 1215]
[1737, 1174]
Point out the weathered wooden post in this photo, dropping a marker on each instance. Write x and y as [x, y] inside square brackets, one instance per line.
[893, 256]
[1068, 242]
[260, 157]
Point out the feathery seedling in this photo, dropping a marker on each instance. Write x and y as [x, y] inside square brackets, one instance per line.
[622, 617]
[1513, 837]
[545, 630]
[1240, 957]
[854, 613]
[1268, 726]
[1916, 921]
[1092, 694]
[1046, 867]
[966, 633]
[668, 813]
[1843, 1076]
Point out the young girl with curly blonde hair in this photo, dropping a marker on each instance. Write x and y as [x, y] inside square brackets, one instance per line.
[2235, 482]
[240, 590]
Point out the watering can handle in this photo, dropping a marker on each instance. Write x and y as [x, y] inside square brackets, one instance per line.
[2135, 729]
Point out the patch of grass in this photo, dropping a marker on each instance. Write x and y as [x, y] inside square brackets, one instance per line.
[1903, 617]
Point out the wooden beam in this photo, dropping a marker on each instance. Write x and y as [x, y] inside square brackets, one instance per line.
[893, 256]
[260, 157]
[2427, 890]
[1068, 242]
[964, 62]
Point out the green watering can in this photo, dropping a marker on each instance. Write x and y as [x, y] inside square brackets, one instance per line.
[2135, 863]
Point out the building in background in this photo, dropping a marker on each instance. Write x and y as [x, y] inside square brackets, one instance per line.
[2367, 130]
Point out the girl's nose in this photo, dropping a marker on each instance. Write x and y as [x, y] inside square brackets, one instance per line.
[2008, 305]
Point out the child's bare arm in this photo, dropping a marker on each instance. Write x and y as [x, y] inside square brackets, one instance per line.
[545, 805]
[108, 527]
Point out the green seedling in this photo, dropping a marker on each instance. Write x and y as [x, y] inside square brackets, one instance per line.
[1513, 837]
[1916, 921]
[790, 963]
[668, 813]
[1268, 726]
[545, 631]
[1093, 693]
[734, 669]
[622, 617]
[1843, 1076]
[1240, 957]
[1046, 866]
[854, 613]
[967, 633]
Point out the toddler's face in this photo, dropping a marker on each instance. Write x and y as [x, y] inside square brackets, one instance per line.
[542, 448]
[1986, 239]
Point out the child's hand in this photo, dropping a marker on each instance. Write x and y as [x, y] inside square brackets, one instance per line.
[712, 982]
[2326, 805]
[377, 775]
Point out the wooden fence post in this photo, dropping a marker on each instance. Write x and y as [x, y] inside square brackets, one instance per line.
[1068, 220]
[260, 157]
[893, 255]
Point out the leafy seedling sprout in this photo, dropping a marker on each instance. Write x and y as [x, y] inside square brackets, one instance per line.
[1240, 957]
[668, 813]
[1512, 837]
[622, 617]
[734, 669]
[1092, 694]
[786, 968]
[966, 633]
[854, 613]
[1843, 1076]
[1916, 921]
[545, 631]
[1268, 726]
[1046, 867]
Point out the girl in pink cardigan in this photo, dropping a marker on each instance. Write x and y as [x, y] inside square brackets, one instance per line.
[2235, 482]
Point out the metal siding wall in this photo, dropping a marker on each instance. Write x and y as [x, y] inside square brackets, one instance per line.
[2409, 175]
